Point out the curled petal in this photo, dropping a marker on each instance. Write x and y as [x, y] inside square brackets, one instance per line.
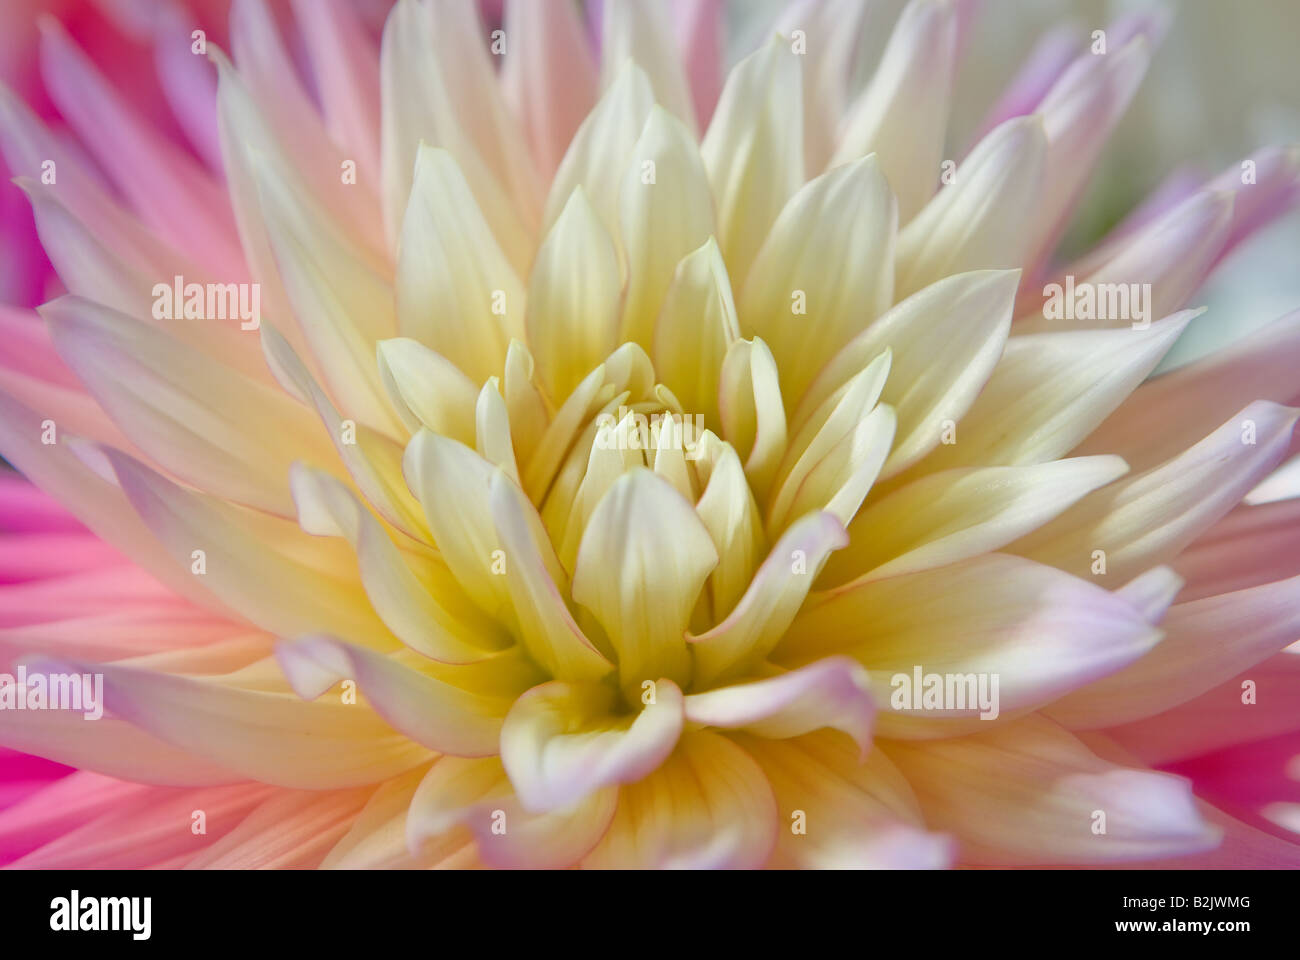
[562, 742]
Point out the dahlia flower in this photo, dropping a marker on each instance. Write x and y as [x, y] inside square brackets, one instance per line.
[525, 444]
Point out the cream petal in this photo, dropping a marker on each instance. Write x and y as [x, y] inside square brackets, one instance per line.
[1034, 631]
[204, 422]
[492, 433]
[574, 415]
[459, 47]
[615, 449]
[695, 329]
[430, 710]
[475, 795]
[440, 624]
[453, 483]
[268, 69]
[562, 742]
[729, 512]
[767, 608]
[956, 514]
[536, 586]
[642, 32]
[567, 505]
[978, 221]
[641, 565]
[698, 25]
[373, 460]
[840, 464]
[855, 814]
[902, 115]
[427, 390]
[456, 291]
[377, 838]
[265, 735]
[264, 581]
[1056, 387]
[108, 746]
[598, 155]
[1205, 641]
[424, 100]
[708, 806]
[529, 413]
[831, 693]
[665, 212]
[1147, 519]
[574, 297]
[245, 135]
[672, 439]
[72, 411]
[824, 273]
[928, 395]
[833, 32]
[751, 410]
[944, 340]
[861, 387]
[1028, 794]
[342, 306]
[752, 150]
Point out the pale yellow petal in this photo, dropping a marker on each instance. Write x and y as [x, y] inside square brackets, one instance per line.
[426, 389]
[708, 806]
[665, 212]
[753, 150]
[641, 566]
[751, 411]
[949, 516]
[979, 220]
[574, 297]
[825, 272]
[641, 31]
[456, 291]
[696, 327]
[903, 113]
